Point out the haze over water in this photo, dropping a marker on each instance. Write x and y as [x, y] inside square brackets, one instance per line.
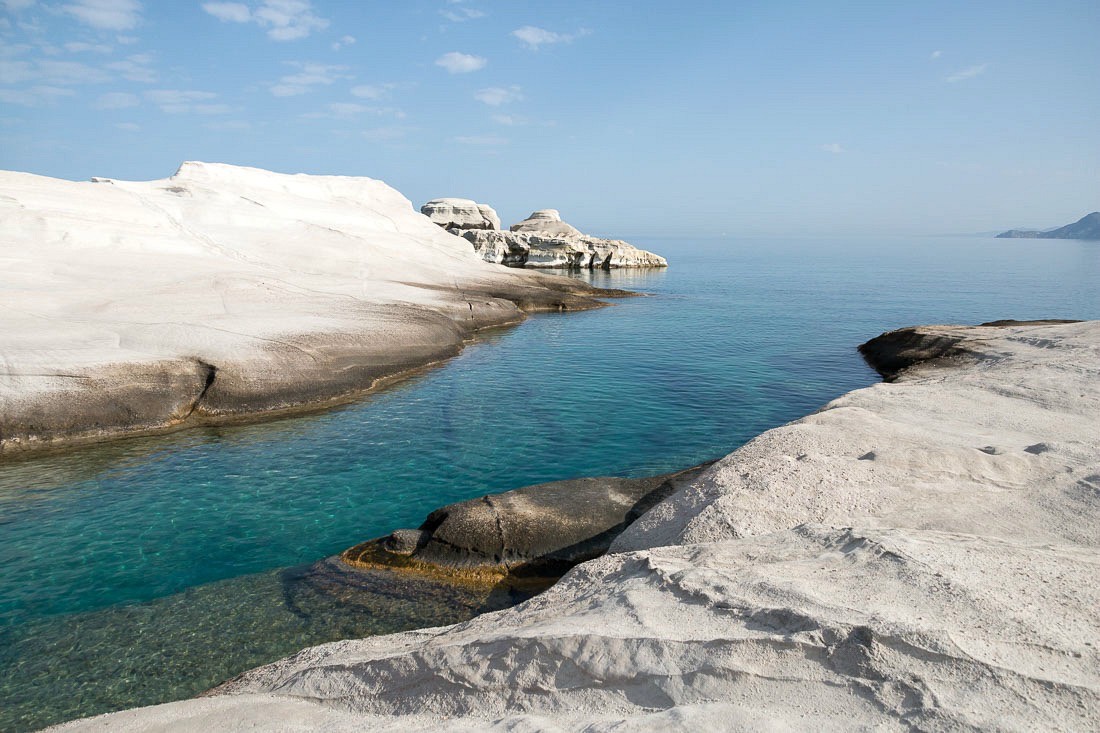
[738, 336]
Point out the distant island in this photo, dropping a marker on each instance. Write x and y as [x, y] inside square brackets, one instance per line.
[1087, 227]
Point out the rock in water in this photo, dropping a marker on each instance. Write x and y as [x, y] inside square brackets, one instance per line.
[461, 214]
[540, 240]
[533, 532]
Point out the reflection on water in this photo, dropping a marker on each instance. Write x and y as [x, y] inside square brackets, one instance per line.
[142, 554]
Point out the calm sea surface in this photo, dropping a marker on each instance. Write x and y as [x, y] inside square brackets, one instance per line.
[151, 569]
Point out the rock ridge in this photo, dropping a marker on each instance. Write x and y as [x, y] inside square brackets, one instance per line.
[226, 293]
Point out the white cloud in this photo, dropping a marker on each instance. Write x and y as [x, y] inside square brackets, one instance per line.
[310, 75]
[285, 20]
[135, 68]
[483, 140]
[178, 101]
[533, 37]
[344, 41]
[117, 100]
[496, 96]
[229, 12]
[372, 91]
[80, 47]
[115, 15]
[936, 54]
[509, 120]
[14, 5]
[128, 126]
[968, 73]
[36, 96]
[51, 73]
[458, 13]
[347, 110]
[460, 63]
[835, 148]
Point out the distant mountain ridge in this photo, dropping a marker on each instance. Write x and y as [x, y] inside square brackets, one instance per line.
[1087, 227]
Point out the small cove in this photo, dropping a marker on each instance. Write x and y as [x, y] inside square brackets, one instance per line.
[149, 569]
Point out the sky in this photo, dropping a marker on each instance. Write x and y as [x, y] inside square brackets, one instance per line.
[632, 118]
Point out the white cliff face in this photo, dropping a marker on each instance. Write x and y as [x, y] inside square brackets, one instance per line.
[460, 214]
[223, 290]
[920, 554]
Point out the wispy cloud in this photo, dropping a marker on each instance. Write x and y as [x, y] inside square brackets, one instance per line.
[112, 15]
[135, 68]
[80, 47]
[496, 96]
[13, 5]
[344, 41]
[117, 100]
[128, 126]
[968, 73]
[509, 120]
[309, 76]
[180, 101]
[481, 140]
[935, 54]
[285, 20]
[372, 91]
[36, 96]
[834, 148]
[458, 12]
[532, 37]
[348, 110]
[460, 63]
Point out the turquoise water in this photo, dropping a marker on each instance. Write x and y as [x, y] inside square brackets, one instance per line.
[106, 553]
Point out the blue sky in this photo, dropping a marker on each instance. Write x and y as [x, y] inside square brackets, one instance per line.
[643, 118]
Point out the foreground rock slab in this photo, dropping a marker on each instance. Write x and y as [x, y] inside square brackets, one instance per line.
[918, 554]
[223, 293]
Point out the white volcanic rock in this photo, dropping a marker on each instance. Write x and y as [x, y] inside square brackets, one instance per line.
[460, 214]
[922, 554]
[544, 240]
[547, 221]
[223, 291]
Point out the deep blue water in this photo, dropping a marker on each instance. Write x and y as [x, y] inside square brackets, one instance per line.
[737, 336]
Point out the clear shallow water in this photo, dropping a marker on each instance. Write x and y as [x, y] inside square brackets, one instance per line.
[738, 337]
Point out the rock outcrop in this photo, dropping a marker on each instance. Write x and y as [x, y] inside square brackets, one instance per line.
[1087, 227]
[225, 292]
[529, 533]
[918, 555]
[540, 240]
[460, 214]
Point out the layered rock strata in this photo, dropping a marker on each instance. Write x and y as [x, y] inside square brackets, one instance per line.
[223, 293]
[920, 554]
[541, 240]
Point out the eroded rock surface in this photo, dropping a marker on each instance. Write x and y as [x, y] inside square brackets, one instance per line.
[460, 214]
[225, 292]
[535, 531]
[921, 554]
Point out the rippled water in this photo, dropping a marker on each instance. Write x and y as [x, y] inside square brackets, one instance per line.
[150, 569]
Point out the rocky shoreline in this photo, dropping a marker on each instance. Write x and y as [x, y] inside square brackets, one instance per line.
[920, 553]
[225, 294]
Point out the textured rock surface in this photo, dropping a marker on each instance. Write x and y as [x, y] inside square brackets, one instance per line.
[460, 214]
[546, 221]
[224, 292]
[922, 554]
[540, 530]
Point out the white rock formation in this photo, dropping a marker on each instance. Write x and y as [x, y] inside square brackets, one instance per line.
[224, 291]
[460, 214]
[547, 221]
[922, 554]
[544, 240]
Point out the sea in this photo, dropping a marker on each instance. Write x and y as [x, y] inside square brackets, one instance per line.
[151, 569]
